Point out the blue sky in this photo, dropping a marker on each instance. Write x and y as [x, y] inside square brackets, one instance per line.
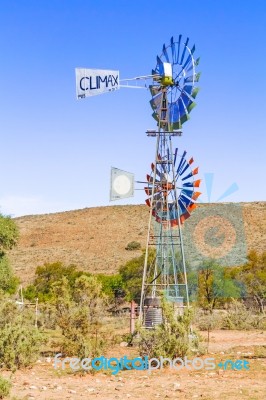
[56, 152]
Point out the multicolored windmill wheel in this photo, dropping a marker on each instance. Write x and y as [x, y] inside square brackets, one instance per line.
[174, 188]
[182, 90]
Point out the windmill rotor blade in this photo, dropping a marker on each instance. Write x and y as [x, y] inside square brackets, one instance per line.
[195, 92]
[186, 167]
[196, 195]
[155, 102]
[150, 179]
[154, 89]
[148, 190]
[194, 172]
[187, 101]
[172, 48]
[188, 89]
[158, 173]
[162, 165]
[191, 207]
[168, 159]
[181, 163]
[185, 200]
[188, 193]
[148, 202]
[192, 78]
[165, 53]
[188, 64]
[197, 183]
[192, 184]
[184, 51]
[188, 176]
[181, 107]
[155, 116]
[160, 65]
[182, 206]
[175, 155]
[184, 118]
[174, 115]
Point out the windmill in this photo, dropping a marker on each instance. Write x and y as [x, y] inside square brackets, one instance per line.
[171, 187]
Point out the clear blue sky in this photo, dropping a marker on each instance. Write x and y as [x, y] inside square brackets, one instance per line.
[56, 152]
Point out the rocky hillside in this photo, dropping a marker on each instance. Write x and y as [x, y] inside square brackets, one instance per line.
[95, 238]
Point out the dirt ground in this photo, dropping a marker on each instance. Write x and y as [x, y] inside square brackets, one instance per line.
[43, 382]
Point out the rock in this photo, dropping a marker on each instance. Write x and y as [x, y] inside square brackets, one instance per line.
[44, 388]
[176, 386]
[58, 387]
[48, 359]
[72, 391]
[33, 387]
[123, 344]
[91, 390]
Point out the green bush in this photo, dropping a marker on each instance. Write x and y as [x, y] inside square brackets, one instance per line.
[79, 315]
[131, 274]
[207, 321]
[8, 281]
[8, 233]
[171, 338]
[5, 387]
[133, 246]
[46, 275]
[239, 317]
[20, 341]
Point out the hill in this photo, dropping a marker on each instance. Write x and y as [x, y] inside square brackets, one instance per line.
[95, 238]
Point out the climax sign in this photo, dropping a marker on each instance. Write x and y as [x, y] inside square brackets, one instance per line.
[90, 82]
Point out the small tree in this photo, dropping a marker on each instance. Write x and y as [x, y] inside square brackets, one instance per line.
[46, 275]
[8, 281]
[253, 276]
[79, 315]
[215, 286]
[20, 341]
[8, 234]
[8, 239]
[131, 274]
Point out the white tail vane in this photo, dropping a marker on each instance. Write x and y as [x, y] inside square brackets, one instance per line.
[90, 82]
[122, 184]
